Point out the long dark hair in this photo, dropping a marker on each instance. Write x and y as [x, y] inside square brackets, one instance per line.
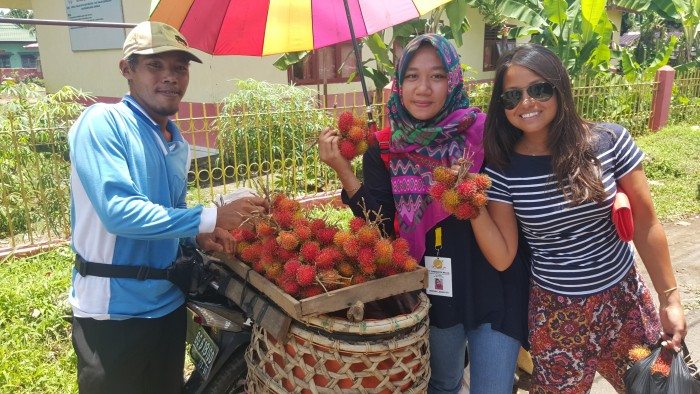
[570, 138]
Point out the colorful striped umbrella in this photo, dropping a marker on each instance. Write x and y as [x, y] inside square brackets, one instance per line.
[266, 27]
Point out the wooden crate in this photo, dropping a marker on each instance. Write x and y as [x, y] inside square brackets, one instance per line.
[333, 300]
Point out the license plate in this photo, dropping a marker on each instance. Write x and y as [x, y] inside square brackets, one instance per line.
[203, 351]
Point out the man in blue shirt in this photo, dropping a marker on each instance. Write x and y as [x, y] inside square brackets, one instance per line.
[129, 166]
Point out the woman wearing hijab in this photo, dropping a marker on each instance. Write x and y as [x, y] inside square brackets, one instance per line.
[431, 124]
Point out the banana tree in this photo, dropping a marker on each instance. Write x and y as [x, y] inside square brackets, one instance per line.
[578, 31]
[684, 12]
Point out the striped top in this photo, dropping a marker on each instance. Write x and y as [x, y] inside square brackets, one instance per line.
[575, 250]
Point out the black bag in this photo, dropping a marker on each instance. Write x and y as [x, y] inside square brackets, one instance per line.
[639, 378]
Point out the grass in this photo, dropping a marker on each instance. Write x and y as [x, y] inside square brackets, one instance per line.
[672, 165]
[37, 355]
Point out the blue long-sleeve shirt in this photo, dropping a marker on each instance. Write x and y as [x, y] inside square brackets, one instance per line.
[127, 208]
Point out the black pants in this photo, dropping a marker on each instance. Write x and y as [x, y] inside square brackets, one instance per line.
[131, 356]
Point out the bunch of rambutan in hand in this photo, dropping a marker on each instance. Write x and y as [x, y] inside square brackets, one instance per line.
[354, 135]
[309, 257]
[462, 193]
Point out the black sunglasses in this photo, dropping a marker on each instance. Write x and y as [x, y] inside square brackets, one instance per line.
[540, 91]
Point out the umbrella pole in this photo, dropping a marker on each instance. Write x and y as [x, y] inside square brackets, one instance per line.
[358, 62]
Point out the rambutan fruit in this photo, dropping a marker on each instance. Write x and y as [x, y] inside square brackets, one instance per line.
[360, 121]
[362, 147]
[482, 181]
[258, 267]
[401, 245]
[288, 240]
[302, 232]
[351, 246]
[273, 270]
[450, 200]
[386, 270]
[241, 234]
[291, 266]
[325, 235]
[251, 252]
[464, 211]
[327, 257]
[357, 279]
[639, 352]
[466, 189]
[263, 229]
[368, 269]
[356, 134]
[410, 264]
[317, 225]
[366, 256]
[444, 175]
[383, 251]
[288, 204]
[345, 268]
[347, 149]
[479, 200]
[283, 218]
[437, 189]
[240, 246]
[345, 121]
[290, 287]
[284, 254]
[305, 275]
[309, 251]
[368, 234]
[340, 237]
[356, 223]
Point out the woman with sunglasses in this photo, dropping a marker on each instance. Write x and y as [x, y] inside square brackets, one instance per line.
[431, 124]
[555, 176]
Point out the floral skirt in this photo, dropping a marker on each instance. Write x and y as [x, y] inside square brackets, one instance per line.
[572, 338]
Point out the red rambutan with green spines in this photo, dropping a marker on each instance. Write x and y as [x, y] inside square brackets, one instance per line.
[325, 235]
[368, 234]
[347, 149]
[356, 223]
[287, 204]
[311, 291]
[241, 234]
[351, 246]
[437, 190]
[401, 245]
[464, 211]
[340, 237]
[288, 240]
[466, 189]
[408, 265]
[398, 257]
[309, 250]
[345, 121]
[291, 266]
[444, 175]
[366, 256]
[269, 245]
[482, 181]
[450, 199]
[305, 275]
[356, 134]
[383, 250]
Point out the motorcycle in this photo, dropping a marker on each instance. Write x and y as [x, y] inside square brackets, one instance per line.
[218, 332]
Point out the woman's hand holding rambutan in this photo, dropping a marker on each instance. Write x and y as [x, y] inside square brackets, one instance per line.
[354, 135]
[460, 192]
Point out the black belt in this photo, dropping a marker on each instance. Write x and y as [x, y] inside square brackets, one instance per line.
[140, 272]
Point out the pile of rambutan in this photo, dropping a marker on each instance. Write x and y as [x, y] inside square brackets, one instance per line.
[662, 364]
[309, 257]
[462, 193]
[354, 135]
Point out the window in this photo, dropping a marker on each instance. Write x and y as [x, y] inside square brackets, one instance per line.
[4, 60]
[28, 60]
[495, 46]
[334, 64]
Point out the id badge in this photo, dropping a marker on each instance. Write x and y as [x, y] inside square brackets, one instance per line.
[439, 276]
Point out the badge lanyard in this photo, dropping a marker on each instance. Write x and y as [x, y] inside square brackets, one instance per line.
[438, 241]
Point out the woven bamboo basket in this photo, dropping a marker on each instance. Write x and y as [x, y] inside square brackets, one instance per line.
[331, 355]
